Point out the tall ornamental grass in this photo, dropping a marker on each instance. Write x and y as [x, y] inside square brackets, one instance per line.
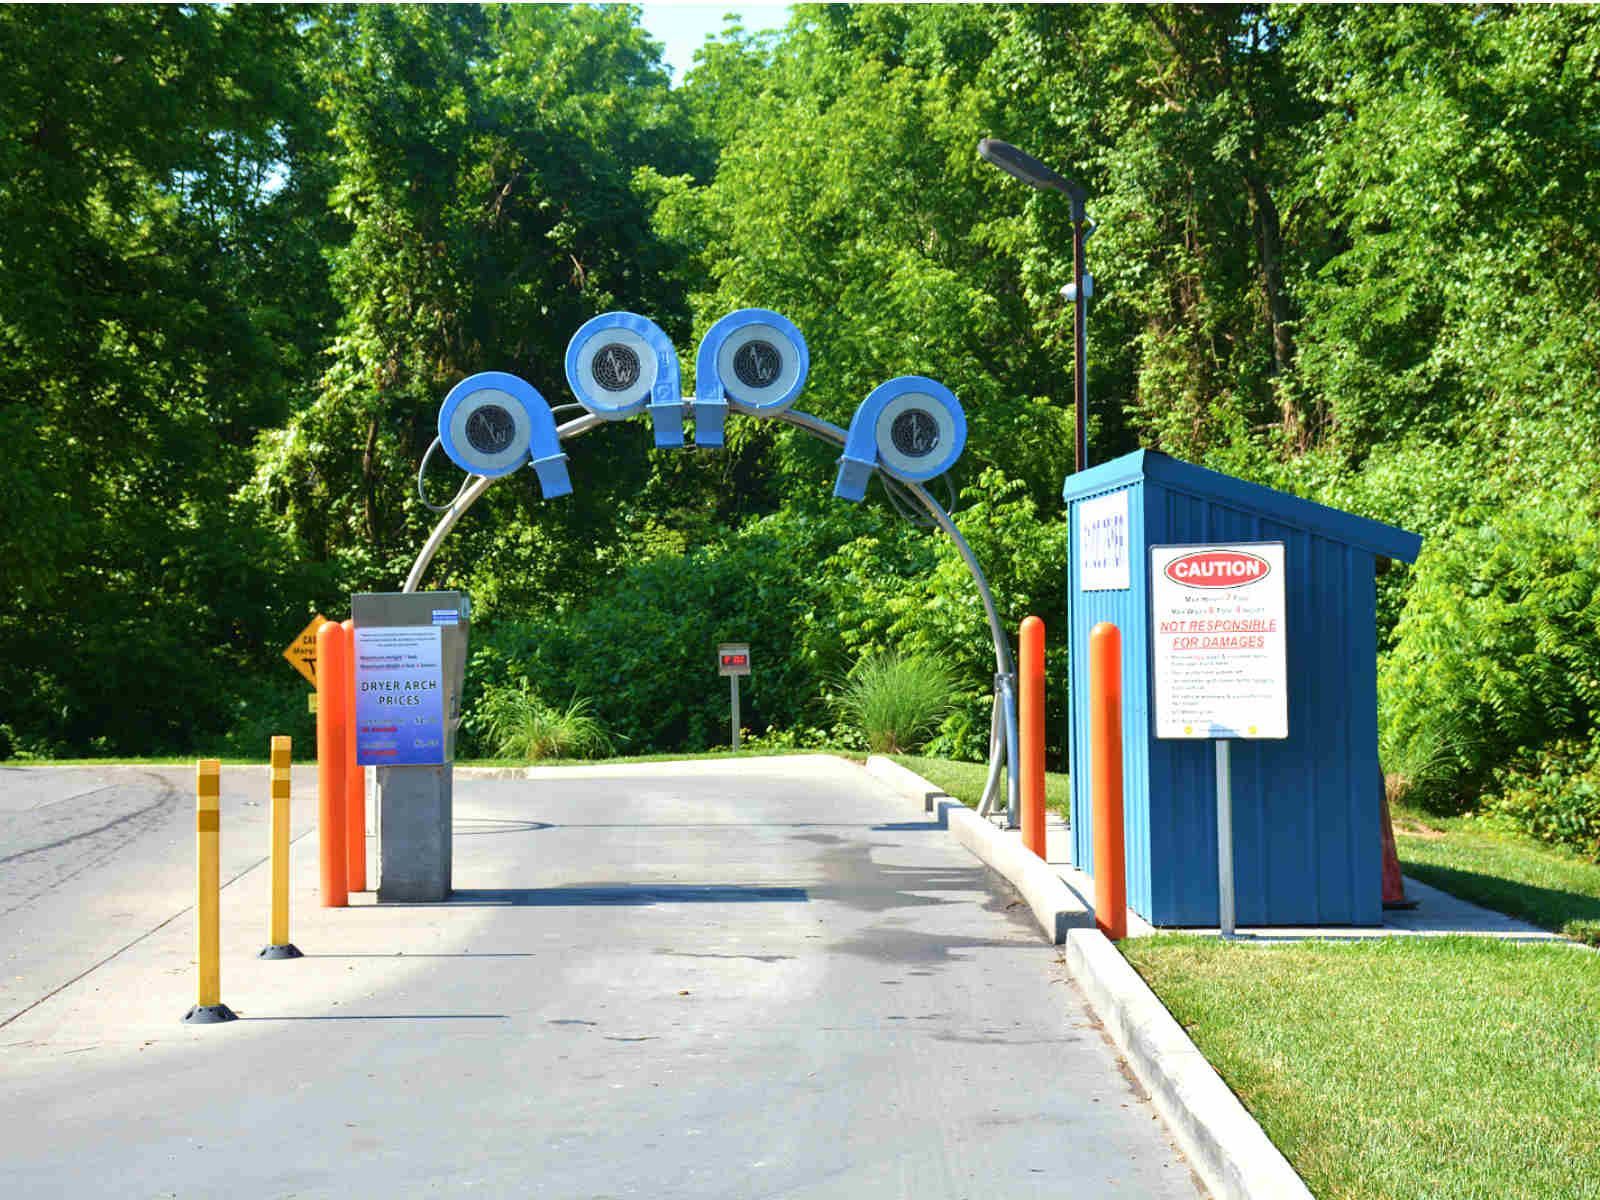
[896, 700]
[521, 725]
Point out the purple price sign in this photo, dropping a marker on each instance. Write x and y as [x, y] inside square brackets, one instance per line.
[399, 696]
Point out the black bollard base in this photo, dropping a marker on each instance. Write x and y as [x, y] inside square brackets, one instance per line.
[209, 1014]
[287, 950]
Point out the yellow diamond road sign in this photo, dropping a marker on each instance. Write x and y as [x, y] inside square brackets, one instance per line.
[302, 652]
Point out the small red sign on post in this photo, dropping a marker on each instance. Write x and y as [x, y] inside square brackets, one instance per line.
[733, 660]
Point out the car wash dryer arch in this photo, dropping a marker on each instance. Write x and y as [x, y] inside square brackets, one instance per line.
[619, 365]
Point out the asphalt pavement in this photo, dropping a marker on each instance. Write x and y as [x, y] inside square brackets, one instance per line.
[741, 978]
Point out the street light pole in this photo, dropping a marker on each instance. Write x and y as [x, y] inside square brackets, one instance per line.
[1035, 174]
[1080, 339]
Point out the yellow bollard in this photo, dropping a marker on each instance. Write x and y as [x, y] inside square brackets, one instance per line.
[279, 945]
[208, 1008]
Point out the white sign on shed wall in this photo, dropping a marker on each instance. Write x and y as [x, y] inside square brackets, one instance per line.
[1217, 640]
[1103, 543]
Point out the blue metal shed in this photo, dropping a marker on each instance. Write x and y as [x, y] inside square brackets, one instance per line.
[1306, 810]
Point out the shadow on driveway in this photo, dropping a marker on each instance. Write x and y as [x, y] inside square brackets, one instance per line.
[641, 894]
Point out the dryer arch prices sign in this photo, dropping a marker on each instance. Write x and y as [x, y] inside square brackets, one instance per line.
[1218, 644]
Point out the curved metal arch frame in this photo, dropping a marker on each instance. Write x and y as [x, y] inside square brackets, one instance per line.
[1003, 724]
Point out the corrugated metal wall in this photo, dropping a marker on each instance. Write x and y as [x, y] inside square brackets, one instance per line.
[1306, 810]
[1128, 611]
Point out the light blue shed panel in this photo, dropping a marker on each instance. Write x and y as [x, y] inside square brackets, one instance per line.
[1306, 809]
[1126, 610]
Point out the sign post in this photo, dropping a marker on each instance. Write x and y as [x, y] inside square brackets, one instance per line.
[1225, 906]
[1220, 662]
[733, 660]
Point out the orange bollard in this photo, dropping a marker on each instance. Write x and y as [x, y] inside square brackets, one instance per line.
[1105, 762]
[355, 780]
[331, 766]
[1030, 722]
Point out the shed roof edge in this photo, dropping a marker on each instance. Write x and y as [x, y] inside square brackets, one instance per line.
[1377, 538]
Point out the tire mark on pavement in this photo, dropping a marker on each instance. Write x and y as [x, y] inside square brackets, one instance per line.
[146, 818]
[170, 793]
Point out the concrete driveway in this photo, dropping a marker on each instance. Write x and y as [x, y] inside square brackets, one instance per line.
[742, 978]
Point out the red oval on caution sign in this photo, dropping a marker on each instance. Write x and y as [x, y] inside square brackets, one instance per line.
[1217, 569]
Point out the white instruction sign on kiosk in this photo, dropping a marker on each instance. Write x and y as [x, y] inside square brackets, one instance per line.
[1103, 543]
[1217, 640]
[1221, 664]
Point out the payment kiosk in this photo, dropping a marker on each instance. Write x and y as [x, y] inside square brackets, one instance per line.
[410, 653]
[1249, 644]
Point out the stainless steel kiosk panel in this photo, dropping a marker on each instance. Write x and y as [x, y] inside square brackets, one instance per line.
[414, 795]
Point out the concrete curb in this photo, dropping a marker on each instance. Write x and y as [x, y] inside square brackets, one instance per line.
[1224, 1144]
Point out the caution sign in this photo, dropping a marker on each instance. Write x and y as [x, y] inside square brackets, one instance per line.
[302, 652]
[1217, 636]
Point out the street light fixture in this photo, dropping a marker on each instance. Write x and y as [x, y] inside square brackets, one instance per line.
[1036, 175]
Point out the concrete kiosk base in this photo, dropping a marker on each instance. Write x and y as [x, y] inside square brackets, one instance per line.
[414, 847]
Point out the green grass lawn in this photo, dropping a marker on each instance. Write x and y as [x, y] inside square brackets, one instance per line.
[1416, 1068]
[964, 781]
[1407, 1069]
[1546, 885]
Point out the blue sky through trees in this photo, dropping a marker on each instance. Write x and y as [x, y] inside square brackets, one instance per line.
[683, 28]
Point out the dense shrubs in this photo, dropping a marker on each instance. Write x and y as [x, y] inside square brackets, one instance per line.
[813, 592]
[1552, 793]
[1496, 656]
[643, 649]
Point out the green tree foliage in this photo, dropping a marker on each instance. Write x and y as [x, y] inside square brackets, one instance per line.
[813, 591]
[483, 159]
[158, 302]
[1456, 154]
[1348, 251]
[850, 164]
[1499, 643]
